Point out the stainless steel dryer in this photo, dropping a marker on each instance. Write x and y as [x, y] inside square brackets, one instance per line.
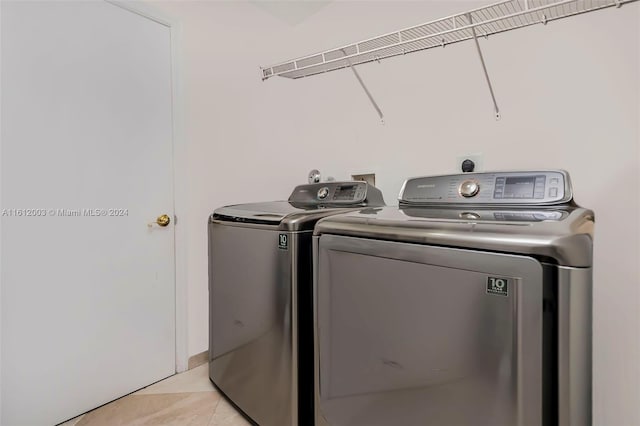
[469, 304]
[260, 299]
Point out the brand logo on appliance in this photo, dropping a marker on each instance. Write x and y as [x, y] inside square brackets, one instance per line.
[427, 185]
[498, 286]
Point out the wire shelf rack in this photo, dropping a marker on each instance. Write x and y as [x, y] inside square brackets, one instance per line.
[496, 18]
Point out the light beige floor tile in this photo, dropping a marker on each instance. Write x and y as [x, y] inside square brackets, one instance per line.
[196, 380]
[226, 415]
[179, 409]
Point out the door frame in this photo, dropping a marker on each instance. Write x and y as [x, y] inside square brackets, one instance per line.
[151, 12]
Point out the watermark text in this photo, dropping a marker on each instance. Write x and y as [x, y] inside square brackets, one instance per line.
[65, 212]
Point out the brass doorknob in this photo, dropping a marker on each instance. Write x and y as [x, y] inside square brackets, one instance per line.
[162, 220]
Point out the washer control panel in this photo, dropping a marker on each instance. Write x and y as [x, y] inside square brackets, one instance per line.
[335, 193]
[521, 188]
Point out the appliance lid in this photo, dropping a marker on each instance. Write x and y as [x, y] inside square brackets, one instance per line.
[306, 205]
[561, 234]
[268, 213]
[273, 213]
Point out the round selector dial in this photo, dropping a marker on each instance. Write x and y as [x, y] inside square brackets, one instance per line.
[323, 192]
[469, 188]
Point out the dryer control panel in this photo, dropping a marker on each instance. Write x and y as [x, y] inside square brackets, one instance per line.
[499, 188]
[334, 193]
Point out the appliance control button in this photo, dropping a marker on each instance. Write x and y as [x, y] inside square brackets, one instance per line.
[469, 215]
[323, 192]
[553, 192]
[469, 188]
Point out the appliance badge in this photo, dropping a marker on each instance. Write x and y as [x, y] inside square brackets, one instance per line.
[283, 241]
[498, 286]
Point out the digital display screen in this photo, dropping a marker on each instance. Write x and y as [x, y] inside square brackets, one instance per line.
[519, 187]
[346, 192]
[522, 187]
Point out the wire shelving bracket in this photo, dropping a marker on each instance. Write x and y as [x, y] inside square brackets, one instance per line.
[496, 110]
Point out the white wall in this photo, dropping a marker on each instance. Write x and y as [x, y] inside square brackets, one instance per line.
[569, 94]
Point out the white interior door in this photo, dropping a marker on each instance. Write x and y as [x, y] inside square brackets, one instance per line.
[88, 297]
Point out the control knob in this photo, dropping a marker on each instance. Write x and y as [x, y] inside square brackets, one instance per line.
[469, 215]
[323, 192]
[469, 188]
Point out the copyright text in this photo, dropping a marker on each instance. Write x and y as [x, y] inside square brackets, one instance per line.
[57, 212]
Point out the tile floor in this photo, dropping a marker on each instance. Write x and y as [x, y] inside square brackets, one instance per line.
[186, 399]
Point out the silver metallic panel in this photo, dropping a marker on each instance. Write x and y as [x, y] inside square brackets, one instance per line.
[566, 239]
[252, 352]
[575, 320]
[406, 332]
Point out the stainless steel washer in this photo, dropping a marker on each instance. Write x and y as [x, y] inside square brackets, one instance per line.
[260, 299]
[469, 304]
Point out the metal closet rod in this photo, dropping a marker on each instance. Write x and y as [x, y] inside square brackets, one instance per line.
[495, 18]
